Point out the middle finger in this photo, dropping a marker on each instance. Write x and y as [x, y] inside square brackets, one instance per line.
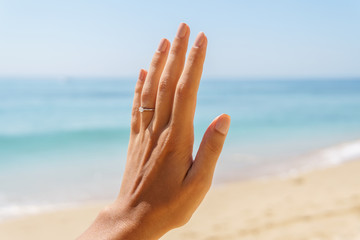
[170, 76]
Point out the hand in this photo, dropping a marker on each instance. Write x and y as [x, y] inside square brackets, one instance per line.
[162, 184]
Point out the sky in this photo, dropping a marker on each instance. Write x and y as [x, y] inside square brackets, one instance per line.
[114, 38]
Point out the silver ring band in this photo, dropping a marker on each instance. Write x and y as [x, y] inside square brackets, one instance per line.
[142, 109]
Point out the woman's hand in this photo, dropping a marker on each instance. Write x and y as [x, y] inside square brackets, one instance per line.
[162, 184]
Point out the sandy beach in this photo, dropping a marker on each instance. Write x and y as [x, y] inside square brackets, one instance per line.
[322, 204]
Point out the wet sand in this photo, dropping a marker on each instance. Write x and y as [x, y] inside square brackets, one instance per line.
[322, 204]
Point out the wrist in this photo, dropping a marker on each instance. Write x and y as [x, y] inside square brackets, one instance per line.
[118, 223]
[124, 222]
[113, 223]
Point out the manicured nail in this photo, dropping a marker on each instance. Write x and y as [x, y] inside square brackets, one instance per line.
[199, 39]
[142, 75]
[223, 123]
[181, 30]
[162, 45]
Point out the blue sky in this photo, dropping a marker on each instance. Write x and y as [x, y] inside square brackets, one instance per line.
[116, 38]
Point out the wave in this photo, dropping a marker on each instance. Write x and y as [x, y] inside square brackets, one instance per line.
[337, 154]
[324, 158]
[14, 145]
[245, 167]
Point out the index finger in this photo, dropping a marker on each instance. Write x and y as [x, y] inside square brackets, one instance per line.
[188, 85]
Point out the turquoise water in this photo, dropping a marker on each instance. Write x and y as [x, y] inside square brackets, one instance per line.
[64, 141]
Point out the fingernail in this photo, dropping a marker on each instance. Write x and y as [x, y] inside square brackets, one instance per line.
[223, 123]
[181, 30]
[142, 75]
[199, 39]
[162, 45]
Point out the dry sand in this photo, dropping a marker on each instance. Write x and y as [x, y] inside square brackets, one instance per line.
[323, 204]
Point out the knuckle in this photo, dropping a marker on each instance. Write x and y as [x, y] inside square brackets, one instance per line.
[202, 182]
[164, 84]
[138, 86]
[181, 90]
[153, 140]
[199, 180]
[196, 56]
[174, 140]
[193, 58]
[133, 122]
[169, 144]
[177, 49]
[156, 61]
[212, 147]
[134, 112]
[184, 91]
[134, 126]
[146, 95]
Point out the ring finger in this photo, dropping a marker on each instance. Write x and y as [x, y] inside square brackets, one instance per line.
[149, 92]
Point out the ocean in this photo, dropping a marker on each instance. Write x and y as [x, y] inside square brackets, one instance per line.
[63, 141]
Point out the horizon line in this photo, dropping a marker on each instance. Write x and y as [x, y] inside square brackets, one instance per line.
[213, 77]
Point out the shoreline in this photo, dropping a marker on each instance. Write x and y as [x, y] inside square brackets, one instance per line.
[321, 204]
[323, 158]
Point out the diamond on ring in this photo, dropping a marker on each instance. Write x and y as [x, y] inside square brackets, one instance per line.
[142, 109]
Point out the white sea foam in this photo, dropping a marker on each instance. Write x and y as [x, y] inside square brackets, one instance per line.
[326, 157]
[337, 154]
[14, 211]
[289, 166]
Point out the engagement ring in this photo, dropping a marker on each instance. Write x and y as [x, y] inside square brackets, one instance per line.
[142, 109]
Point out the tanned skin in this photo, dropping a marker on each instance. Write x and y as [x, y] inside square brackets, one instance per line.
[163, 184]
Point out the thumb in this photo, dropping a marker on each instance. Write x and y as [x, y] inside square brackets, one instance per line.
[210, 148]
